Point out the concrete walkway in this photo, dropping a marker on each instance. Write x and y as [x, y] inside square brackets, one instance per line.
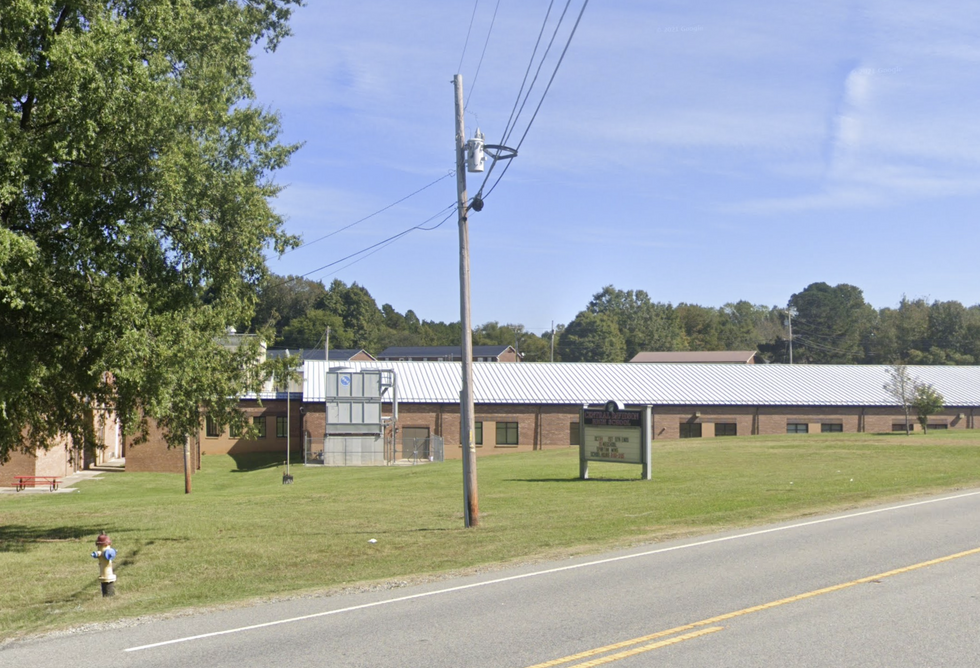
[68, 482]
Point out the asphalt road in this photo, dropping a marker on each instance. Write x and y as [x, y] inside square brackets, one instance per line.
[895, 585]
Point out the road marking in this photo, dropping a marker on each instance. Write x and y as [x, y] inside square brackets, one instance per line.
[626, 643]
[647, 648]
[738, 613]
[550, 571]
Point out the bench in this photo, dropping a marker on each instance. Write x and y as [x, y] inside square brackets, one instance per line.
[24, 481]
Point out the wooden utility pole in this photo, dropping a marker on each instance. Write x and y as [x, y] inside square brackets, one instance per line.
[187, 465]
[326, 375]
[471, 507]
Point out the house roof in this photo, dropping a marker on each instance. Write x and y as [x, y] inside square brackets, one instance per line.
[440, 351]
[338, 355]
[703, 356]
[659, 384]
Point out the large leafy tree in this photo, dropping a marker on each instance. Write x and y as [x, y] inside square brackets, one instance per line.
[591, 338]
[644, 324]
[134, 210]
[832, 323]
[283, 299]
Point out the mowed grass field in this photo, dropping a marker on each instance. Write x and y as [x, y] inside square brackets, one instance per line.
[243, 535]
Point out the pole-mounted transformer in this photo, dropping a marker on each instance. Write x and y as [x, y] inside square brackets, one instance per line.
[474, 153]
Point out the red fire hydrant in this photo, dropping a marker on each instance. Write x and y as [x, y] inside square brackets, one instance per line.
[105, 555]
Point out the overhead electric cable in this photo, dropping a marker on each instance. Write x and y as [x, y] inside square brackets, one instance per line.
[541, 101]
[384, 241]
[467, 40]
[517, 100]
[553, 74]
[480, 64]
[530, 63]
[393, 240]
[537, 72]
[451, 172]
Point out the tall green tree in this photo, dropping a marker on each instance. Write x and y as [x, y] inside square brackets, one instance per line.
[831, 324]
[591, 338]
[309, 331]
[643, 324]
[700, 325]
[283, 299]
[900, 333]
[134, 210]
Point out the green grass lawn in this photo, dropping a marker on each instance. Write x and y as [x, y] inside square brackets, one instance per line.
[242, 534]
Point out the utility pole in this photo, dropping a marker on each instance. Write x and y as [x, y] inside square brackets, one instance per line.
[187, 465]
[326, 375]
[552, 340]
[289, 427]
[471, 507]
[790, 312]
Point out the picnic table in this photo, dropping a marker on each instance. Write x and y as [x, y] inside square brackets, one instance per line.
[25, 481]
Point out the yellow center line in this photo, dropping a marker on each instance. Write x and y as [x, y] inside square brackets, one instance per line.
[647, 648]
[739, 613]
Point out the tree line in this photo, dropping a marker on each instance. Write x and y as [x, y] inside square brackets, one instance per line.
[830, 325]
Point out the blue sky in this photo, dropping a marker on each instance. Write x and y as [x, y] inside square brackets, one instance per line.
[704, 152]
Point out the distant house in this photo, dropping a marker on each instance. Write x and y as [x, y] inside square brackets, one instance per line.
[699, 357]
[447, 354]
[338, 355]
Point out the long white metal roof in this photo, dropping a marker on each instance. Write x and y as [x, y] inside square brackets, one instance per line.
[657, 384]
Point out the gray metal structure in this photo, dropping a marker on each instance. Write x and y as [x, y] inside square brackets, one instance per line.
[356, 431]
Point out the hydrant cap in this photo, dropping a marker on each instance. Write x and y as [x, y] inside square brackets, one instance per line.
[102, 540]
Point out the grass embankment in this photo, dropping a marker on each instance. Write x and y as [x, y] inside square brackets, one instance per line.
[242, 534]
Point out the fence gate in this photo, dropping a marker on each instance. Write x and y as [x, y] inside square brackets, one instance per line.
[415, 443]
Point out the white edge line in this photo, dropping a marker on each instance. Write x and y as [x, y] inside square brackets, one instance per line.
[549, 571]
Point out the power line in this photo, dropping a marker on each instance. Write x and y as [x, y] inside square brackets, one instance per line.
[544, 57]
[467, 40]
[392, 238]
[390, 241]
[451, 172]
[530, 63]
[480, 64]
[517, 100]
[553, 74]
[543, 96]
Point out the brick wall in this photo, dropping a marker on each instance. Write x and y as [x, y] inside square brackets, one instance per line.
[541, 427]
[225, 444]
[153, 456]
[57, 460]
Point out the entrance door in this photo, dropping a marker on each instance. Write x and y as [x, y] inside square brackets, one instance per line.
[415, 442]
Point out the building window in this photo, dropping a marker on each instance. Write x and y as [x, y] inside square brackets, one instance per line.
[259, 423]
[478, 432]
[797, 428]
[506, 433]
[831, 428]
[939, 425]
[726, 429]
[690, 430]
[211, 427]
[281, 426]
[900, 426]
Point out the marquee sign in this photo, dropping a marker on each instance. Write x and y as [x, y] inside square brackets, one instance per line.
[614, 433]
